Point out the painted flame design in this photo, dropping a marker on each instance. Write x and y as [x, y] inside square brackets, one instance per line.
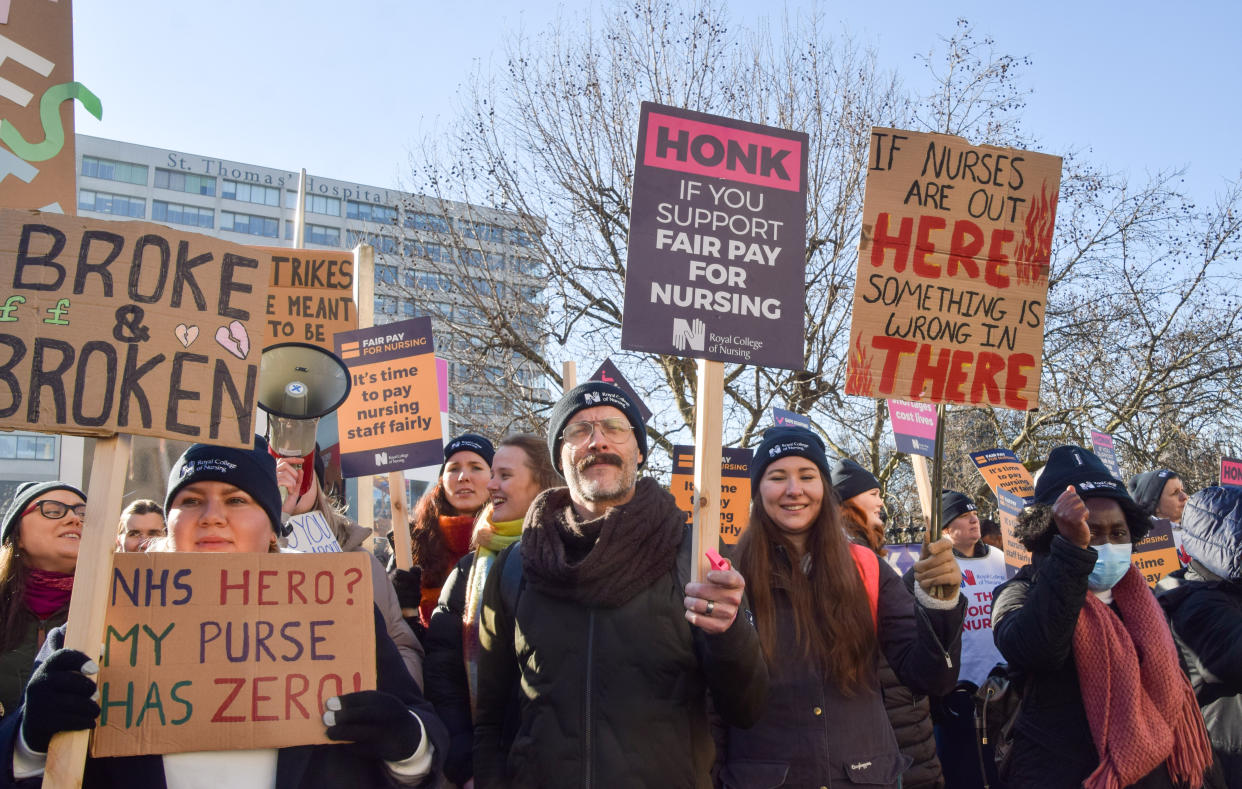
[1035, 250]
[858, 377]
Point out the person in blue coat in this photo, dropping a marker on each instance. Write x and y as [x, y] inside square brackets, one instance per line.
[1204, 606]
[225, 500]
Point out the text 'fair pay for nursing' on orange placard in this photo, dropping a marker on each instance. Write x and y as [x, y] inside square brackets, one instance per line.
[952, 277]
[391, 420]
[230, 652]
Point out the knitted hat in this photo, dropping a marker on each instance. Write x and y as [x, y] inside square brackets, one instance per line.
[1070, 465]
[1147, 488]
[469, 442]
[589, 395]
[251, 470]
[849, 479]
[26, 493]
[783, 442]
[1211, 528]
[953, 505]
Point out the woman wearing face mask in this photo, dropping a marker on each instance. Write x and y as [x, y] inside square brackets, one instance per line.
[226, 500]
[825, 611]
[42, 531]
[521, 470]
[443, 523]
[1105, 702]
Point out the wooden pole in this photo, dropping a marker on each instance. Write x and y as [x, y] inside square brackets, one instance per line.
[922, 481]
[403, 550]
[364, 303]
[299, 214]
[569, 375]
[88, 607]
[934, 527]
[708, 434]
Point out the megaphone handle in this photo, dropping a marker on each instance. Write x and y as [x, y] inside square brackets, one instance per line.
[284, 494]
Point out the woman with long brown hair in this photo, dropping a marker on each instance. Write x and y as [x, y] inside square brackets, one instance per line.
[521, 470]
[825, 609]
[443, 522]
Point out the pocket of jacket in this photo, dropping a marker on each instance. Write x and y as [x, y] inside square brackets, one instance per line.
[753, 775]
[882, 769]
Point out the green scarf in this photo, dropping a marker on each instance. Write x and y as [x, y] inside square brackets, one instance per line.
[491, 538]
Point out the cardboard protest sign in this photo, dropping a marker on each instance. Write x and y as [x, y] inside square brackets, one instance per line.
[311, 296]
[37, 97]
[127, 326]
[1010, 506]
[1230, 471]
[952, 271]
[1156, 554]
[208, 652]
[391, 420]
[914, 427]
[311, 534]
[784, 418]
[609, 374]
[734, 488]
[717, 241]
[1002, 470]
[1106, 451]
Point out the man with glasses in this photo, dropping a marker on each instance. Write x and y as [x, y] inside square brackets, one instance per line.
[590, 624]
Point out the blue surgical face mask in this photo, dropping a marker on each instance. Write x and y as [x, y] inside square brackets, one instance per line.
[1112, 563]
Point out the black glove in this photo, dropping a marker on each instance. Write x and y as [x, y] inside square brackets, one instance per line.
[378, 723]
[409, 586]
[58, 698]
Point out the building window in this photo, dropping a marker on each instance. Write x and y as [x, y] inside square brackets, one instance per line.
[428, 222]
[182, 214]
[27, 447]
[520, 237]
[482, 232]
[112, 170]
[319, 204]
[369, 212]
[104, 203]
[324, 236]
[185, 182]
[384, 244]
[386, 274]
[251, 225]
[251, 193]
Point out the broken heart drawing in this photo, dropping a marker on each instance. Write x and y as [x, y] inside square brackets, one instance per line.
[186, 334]
[233, 338]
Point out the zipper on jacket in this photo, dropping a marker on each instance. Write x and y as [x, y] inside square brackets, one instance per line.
[587, 767]
[948, 660]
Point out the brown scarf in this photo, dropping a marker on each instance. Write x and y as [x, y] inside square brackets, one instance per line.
[606, 561]
[1140, 707]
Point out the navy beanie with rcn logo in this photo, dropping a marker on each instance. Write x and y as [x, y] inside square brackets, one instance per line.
[589, 395]
[780, 442]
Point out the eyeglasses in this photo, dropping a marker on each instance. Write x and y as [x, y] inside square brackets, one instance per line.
[55, 509]
[614, 428]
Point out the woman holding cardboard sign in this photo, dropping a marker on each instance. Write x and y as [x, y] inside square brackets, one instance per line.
[225, 500]
[443, 523]
[42, 531]
[521, 470]
[825, 609]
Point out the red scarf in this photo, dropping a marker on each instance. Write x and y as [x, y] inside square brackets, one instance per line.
[456, 530]
[47, 592]
[1139, 704]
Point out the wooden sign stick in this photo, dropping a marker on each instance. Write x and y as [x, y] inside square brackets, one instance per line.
[708, 434]
[403, 551]
[364, 303]
[922, 481]
[66, 755]
[569, 375]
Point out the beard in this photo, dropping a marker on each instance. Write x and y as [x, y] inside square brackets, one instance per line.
[596, 490]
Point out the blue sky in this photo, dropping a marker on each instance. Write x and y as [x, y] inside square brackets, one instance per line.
[346, 89]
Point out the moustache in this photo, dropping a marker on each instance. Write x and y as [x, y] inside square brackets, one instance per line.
[607, 458]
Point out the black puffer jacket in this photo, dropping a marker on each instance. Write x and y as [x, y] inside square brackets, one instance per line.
[445, 671]
[910, 714]
[611, 697]
[1033, 619]
[1205, 611]
[811, 734]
